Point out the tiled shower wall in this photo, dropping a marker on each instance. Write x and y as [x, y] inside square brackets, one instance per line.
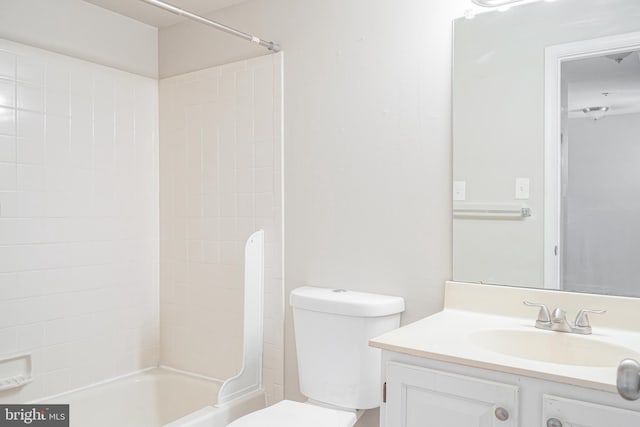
[78, 219]
[220, 180]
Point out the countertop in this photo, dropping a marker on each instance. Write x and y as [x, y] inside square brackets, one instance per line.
[449, 336]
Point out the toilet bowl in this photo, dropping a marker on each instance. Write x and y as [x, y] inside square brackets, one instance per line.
[338, 371]
[288, 413]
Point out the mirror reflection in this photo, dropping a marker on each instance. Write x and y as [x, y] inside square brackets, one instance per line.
[546, 106]
[600, 207]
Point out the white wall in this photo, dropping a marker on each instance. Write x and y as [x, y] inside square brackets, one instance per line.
[367, 131]
[498, 128]
[367, 140]
[601, 247]
[78, 219]
[82, 30]
[220, 180]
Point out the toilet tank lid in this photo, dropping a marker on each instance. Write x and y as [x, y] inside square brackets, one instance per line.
[347, 303]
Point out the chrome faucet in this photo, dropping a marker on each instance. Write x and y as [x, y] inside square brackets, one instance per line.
[557, 320]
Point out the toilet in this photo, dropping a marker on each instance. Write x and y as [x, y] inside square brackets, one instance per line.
[339, 373]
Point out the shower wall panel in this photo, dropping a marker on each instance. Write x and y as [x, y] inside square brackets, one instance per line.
[220, 180]
[78, 219]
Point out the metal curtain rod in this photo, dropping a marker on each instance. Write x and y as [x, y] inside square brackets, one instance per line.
[181, 12]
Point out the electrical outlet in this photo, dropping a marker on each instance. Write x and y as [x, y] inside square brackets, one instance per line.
[522, 188]
[459, 190]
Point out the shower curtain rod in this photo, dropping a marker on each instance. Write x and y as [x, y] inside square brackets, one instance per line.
[181, 12]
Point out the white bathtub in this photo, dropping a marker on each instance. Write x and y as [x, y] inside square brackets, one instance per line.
[164, 397]
[155, 398]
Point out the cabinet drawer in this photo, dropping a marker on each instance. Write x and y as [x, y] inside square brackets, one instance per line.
[575, 413]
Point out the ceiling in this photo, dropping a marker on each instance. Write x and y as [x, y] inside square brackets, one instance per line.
[152, 15]
[601, 81]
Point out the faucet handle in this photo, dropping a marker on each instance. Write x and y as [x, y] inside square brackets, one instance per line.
[544, 317]
[582, 320]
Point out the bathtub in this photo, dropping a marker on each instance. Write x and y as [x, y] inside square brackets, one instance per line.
[165, 397]
[154, 398]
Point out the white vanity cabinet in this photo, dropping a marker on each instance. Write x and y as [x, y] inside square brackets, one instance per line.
[419, 397]
[422, 392]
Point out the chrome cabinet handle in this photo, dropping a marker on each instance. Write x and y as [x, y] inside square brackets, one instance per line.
[628, 380]
[502, 414]
[554, 422]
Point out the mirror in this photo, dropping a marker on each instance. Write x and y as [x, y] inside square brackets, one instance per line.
[545, 196]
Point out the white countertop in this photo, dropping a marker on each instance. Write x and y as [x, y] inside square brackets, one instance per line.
[448, 336]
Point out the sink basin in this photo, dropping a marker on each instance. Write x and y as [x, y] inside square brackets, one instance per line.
[552, 347]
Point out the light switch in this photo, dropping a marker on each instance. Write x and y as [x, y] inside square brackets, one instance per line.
[459, 190]
[522, 188]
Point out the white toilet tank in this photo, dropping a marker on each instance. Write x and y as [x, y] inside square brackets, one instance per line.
[332, 330]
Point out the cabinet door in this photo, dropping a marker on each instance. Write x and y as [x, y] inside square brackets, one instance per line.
[575, 413]
[420, 397]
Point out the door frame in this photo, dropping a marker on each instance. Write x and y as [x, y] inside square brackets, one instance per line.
[554, 57]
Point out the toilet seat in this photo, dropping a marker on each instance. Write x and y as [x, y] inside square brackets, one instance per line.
[295, 414]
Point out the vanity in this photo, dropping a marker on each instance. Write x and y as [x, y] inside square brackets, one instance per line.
[539, 205]
[482, 362]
